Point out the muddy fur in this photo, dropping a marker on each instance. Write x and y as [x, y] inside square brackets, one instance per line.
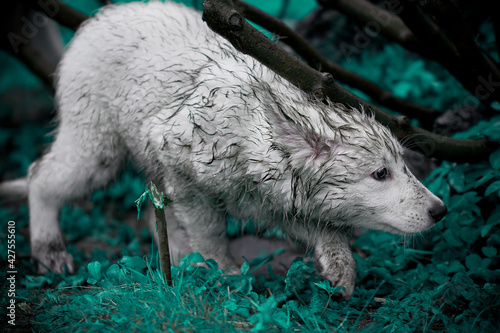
[223, 135]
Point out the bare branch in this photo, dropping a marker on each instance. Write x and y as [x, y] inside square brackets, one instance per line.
[17, 42]
[38, 64]
[62, 13]
[223, 18]
[319, 62]
[14, 43]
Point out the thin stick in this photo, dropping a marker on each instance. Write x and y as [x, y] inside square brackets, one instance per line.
[164, 252]
[159, 203]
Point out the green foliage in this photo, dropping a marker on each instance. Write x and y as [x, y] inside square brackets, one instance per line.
[407, 76]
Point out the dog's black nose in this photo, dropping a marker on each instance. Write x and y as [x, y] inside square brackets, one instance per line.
[438, 211]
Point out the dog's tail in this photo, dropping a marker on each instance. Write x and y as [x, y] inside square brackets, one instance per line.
[14, 189]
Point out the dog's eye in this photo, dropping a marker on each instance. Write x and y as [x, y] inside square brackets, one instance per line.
[380, 174]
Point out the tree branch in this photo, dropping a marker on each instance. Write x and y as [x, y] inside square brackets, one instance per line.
[62, 13]
[30, 56]
[319, 62]
[223, 18]
[38, 64]
[15, 42]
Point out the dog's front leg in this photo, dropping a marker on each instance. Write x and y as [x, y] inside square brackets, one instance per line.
[334, 255]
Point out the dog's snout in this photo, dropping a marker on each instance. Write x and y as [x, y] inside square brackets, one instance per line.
[438, 211]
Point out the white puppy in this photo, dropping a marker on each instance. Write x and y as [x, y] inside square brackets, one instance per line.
[222, 134]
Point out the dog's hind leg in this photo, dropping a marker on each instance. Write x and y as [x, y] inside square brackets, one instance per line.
[78, 162]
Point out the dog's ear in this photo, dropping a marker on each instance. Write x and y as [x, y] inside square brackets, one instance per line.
[294, 131]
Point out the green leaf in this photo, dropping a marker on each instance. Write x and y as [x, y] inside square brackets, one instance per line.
[493, 187]
[95, 274]
[242, 283]
[473, 261]
[200, 289]
[466, 219]
[244, 267]
[296, 277]
[493, 240]
[140, 201]
[464, 201]
[135, 262]
[485, 229]
[195, 257]
[440, 187]
[456, 179]
[493, 130]
[455, 266]
[212, 264]
[495, 159]
[487, 175]
[326, 286]
[439, 277]
[323, 285]
[468, 234]
[489, 251]
[494, 217]
[230, 305]
[438, 173]
[452, 218]
[486, 263]
[451, 239]
[115, 273]
[268, 314]
[381, 272]
[493, 220]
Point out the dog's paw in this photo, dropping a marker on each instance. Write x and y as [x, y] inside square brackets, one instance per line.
[340, 269]
[56, 261]
[341, 276]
